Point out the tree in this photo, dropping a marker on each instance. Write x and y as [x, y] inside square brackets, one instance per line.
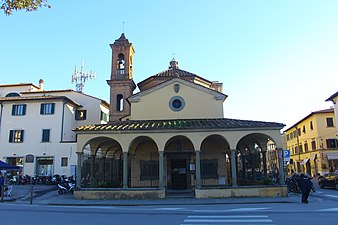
[29, 5]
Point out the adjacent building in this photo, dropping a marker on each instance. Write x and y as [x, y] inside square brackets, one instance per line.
[334, 98]
[36, 127]
[313, 143]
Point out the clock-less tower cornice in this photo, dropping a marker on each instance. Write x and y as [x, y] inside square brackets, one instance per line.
[121, 79]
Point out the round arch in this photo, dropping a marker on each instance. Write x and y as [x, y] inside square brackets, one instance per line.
[101, 163]
[143, 162]
[179, 154]
[215, 161]
[252, 158]
[178, 143]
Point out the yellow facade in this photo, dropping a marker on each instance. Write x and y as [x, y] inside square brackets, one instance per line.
[313, 143]
[199, 102]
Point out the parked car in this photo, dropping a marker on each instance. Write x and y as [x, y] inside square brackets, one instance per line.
[329, 180]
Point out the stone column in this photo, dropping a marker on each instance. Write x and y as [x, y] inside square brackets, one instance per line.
[79, 169]
[226, 171]
[125, 170]
[198, 169]
[281, 165]
[265, 174]
[233, 168]
[161, 170]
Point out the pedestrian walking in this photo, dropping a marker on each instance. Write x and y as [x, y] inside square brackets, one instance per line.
[305, 186]
[2, 183]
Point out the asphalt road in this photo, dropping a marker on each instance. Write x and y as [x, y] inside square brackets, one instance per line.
[321, 210]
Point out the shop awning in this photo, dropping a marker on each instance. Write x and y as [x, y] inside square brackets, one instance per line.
[332, 155]
[304, 161]
[314, 156]
[5, 166]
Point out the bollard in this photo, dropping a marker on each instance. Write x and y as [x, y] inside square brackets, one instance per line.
[31, 195]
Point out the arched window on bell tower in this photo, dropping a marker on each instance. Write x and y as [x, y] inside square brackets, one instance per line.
[119, 103]
[121, 78]
[120, 64]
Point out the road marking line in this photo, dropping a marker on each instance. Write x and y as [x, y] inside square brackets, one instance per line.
[168, 208]
[247, 209]
[334, 196]
[329, 210]
[227, 210]
[228, 221]
[223, 217]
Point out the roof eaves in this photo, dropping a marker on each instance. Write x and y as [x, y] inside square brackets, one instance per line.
[308, 116]
[331, 98]
[181, 124]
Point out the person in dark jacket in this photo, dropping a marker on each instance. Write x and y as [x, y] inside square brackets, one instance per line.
[2, 183]
[305, 186]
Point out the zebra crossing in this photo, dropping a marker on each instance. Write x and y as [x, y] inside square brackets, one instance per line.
[227, 219]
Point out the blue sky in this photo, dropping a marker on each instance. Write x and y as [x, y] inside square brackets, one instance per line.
[277, 60]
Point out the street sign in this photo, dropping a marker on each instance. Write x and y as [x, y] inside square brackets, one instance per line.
[286, 154]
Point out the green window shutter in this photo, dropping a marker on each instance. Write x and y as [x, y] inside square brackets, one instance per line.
[53, 108]
[42, 109]
[22, 132]
[24, 109]
[11, 132]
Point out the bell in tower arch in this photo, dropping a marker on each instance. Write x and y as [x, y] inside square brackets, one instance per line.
[120, 64]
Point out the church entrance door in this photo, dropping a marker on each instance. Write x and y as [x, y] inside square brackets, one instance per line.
[179, 174]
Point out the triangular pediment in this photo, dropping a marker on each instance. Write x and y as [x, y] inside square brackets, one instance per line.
[217, 95]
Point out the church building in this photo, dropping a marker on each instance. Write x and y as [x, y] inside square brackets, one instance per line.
[172, 137]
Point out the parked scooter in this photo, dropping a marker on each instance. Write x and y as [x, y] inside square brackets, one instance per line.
[66, 186]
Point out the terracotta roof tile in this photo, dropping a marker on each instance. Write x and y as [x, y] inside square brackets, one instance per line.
[175, 72]
[180, 124]
[38, 98]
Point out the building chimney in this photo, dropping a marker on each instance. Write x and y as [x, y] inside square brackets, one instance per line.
[41, 84]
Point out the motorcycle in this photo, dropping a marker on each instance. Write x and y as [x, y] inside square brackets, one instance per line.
[66, 186]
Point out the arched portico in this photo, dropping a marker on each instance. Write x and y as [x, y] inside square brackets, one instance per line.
[251, 159]
[101, 163]
[200, 161]
[215, 161]
[143, 163]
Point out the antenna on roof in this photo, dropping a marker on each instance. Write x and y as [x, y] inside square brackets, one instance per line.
[80, 77]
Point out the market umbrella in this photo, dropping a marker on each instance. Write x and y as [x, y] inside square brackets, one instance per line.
[5, 166]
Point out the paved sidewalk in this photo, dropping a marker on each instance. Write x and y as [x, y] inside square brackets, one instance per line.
[23, 192]
[48, 195]
[69, 201]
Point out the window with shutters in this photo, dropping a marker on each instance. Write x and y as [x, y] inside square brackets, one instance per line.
[104, 117]
[47, 108]
[313, 145]
[19, 110]
[329, 122]
[45, 135]
[311, 125]
[64, 161]
[16, 136]
[331, 143]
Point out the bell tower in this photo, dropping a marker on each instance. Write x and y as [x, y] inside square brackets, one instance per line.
[121, 79]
